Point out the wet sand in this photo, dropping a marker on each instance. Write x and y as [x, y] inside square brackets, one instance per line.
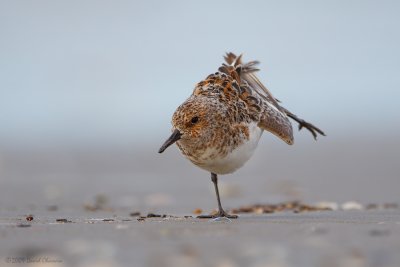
[83, 206]
[326, 238]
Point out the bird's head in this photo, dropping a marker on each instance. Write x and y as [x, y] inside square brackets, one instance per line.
[194, 122]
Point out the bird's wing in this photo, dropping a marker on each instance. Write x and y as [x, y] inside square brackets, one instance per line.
[275, 117]
[271, 116]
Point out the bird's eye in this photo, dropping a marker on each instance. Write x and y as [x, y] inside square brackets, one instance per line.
[195, 120]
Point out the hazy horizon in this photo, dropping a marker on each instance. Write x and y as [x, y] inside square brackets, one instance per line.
[101, 73]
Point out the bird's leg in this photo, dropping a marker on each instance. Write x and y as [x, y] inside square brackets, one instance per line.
[214, 179]
[221, 212]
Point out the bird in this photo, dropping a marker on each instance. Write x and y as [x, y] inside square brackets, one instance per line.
[218, 127]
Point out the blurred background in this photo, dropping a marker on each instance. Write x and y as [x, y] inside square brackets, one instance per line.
[88, 88]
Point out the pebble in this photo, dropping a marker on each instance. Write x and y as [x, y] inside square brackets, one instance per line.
[351, 205]
[153, 215]
[327, 205]
[63, 221]
[198, 211]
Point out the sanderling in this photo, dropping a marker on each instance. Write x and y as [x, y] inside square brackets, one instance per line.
[218, 127]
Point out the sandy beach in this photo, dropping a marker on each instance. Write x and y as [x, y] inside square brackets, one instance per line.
[86, 208]
[330, 238]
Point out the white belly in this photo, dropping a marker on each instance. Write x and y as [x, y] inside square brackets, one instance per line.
[238, 157]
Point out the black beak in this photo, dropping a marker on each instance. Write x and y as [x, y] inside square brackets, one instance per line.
[175, 136]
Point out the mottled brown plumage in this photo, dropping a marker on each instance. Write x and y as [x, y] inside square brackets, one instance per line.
[219, 125]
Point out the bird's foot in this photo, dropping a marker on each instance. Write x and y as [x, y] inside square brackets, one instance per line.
[310, 127]
[220, 214]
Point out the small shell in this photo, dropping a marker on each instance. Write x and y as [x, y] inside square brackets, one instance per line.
[351, 205]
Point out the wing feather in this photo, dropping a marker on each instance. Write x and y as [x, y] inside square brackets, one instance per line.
[272, 117]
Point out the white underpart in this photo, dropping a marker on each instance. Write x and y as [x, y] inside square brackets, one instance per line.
[237, 157]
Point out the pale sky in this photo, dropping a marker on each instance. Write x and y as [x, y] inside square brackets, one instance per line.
[114, 71]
